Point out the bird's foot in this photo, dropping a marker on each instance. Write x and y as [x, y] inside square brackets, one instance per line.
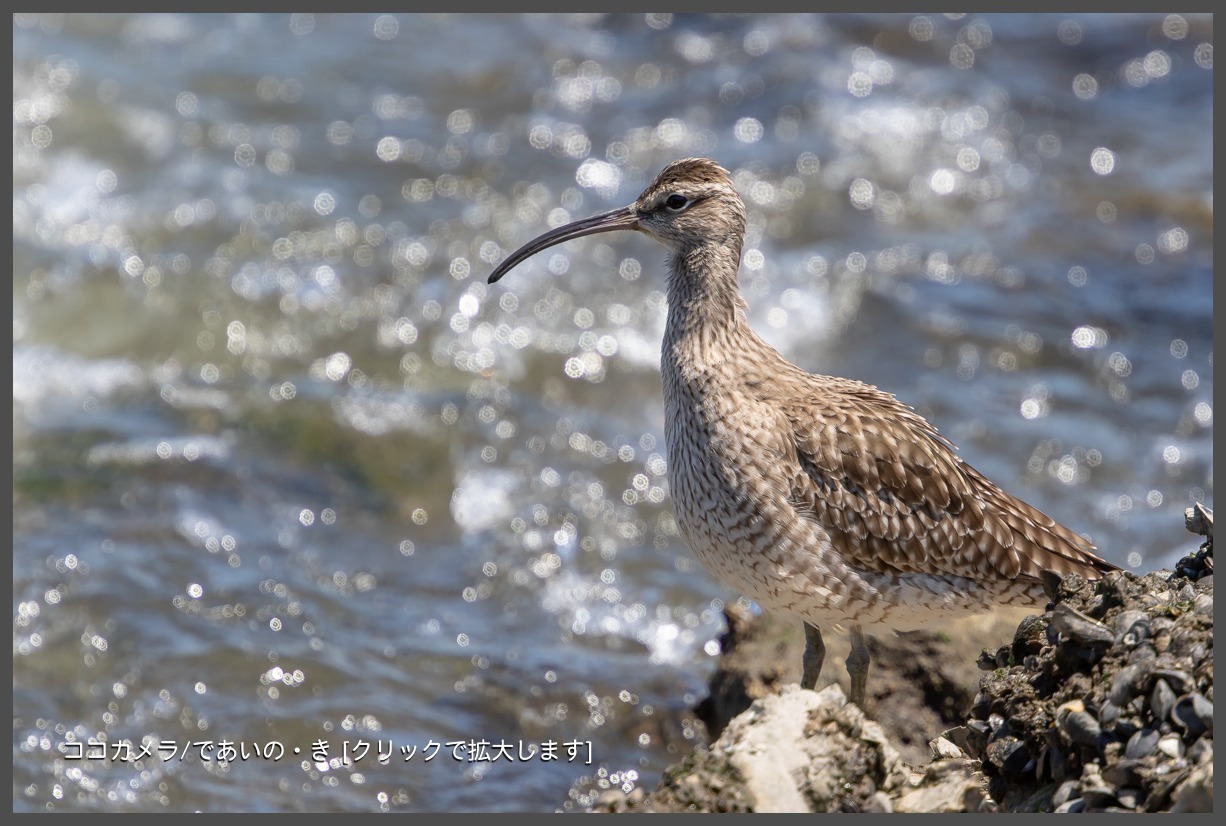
[815, 655]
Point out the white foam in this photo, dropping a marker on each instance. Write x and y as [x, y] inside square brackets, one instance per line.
[46, 376]
[481, 499]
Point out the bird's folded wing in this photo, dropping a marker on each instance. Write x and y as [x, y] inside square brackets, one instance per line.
[896, 498]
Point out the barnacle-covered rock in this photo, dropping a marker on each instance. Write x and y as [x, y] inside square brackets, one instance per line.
[1116, 701]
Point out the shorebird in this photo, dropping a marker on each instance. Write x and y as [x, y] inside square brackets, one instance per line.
[820, 498]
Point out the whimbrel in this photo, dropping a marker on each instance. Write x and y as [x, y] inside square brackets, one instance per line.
[820, 498]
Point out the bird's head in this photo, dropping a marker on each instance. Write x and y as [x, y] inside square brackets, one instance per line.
[690, 203]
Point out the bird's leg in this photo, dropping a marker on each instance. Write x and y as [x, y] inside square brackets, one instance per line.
[857, 665]
[815, 653]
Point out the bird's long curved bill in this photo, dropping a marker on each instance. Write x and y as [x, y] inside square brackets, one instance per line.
[624, 218]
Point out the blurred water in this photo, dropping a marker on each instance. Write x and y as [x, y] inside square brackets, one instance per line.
[288, 472]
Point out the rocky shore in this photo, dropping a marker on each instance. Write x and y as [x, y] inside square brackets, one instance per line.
[1104, 702]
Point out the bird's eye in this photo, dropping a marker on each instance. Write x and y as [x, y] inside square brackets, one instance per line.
[676, 203]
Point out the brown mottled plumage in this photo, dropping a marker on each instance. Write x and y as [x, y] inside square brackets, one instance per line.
[819, 497]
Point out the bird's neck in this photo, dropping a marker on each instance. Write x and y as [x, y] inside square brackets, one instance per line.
[706, 314]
